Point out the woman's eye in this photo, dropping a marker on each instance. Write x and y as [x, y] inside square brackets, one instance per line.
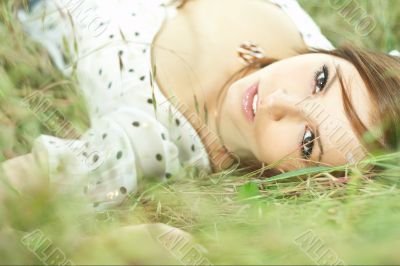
[307, 143]
[321, 78]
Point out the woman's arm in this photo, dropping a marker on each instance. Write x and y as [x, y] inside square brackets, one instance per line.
[144, 244]
[21, 175]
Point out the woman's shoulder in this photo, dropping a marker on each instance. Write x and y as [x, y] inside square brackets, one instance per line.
[309, 30]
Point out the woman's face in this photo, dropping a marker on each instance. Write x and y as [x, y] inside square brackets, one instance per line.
[293, 110]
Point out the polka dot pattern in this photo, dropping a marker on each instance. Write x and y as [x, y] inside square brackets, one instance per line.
[123, 190]
[135, 132]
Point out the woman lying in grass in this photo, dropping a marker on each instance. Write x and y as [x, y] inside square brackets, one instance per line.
[196, 84]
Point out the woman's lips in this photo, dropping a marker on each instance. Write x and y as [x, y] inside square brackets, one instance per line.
[248, 105]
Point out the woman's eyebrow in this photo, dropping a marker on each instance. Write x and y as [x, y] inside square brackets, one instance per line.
[319, 142]
[331, 82]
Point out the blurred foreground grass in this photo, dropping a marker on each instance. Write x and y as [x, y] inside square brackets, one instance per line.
[237, 219]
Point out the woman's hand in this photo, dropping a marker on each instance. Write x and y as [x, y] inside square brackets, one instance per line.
[22, 175]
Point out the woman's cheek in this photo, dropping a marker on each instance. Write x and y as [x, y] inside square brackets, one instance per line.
[263, 146]
[275, 141]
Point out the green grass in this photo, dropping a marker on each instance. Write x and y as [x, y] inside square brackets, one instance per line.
[238, 219]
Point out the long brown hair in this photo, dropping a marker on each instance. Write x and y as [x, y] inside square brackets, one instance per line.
[381, 75]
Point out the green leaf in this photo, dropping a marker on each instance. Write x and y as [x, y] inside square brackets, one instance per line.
[205, 114]
[196, 104]
[122, 35]
[302, 172]
[248, 190]
[155, 71]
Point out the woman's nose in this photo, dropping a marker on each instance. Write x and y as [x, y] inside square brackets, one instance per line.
[280, 104]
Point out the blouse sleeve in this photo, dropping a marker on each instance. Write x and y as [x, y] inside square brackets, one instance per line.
[108, 161]
[104, 43]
